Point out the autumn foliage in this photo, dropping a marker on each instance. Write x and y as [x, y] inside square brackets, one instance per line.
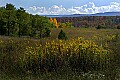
[54, 21]
[60, 24]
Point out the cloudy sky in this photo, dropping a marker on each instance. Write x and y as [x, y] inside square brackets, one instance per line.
[56, 7]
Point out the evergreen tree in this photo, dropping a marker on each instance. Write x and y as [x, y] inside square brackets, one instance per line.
[99, 27]
[62, 35]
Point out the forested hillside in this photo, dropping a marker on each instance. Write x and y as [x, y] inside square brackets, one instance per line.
[92, 21]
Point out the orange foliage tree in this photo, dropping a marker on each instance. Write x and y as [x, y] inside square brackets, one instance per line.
[51, 20]
[54, 21]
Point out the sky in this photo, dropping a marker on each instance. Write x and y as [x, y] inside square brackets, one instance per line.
[63, 7]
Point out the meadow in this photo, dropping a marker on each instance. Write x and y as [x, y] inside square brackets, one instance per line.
[87, 54]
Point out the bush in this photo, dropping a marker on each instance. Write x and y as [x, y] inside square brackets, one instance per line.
[100, 27]
[85, 26]
[62, 35]
[118, 27]
[47, 32]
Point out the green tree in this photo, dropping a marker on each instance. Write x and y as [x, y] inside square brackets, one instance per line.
[18, 22]
[99, 27]
[3, 29]
[23, 20]
[10, 7]
[40, 24]
[118, 26]
[62, 35]
[47, 32]
[9, 16]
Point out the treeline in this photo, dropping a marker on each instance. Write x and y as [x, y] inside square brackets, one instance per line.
[17, 22]
[92, 21]
[61, 24]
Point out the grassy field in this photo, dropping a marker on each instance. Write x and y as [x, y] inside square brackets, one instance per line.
[88, 54]
[83, 32]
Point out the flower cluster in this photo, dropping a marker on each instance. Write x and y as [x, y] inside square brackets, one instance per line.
[79, 52]
[1, 41]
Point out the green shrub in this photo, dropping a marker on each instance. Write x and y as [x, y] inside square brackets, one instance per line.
[118, 27]
[85, 26]
[47, 32]
[62, 35]
[100, 27]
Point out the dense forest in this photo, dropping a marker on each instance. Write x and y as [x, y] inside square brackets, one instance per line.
[92, 21]
[17, 22]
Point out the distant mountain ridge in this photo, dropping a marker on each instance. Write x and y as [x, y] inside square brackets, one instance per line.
[78, 15]
[108, 14]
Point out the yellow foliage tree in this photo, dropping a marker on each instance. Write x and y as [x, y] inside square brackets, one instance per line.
[55, 22]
